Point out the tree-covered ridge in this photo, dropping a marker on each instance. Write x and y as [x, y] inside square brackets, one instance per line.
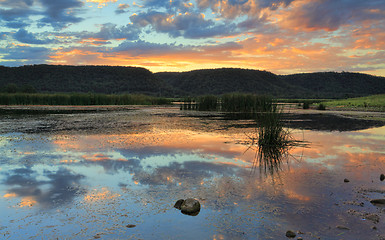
[114, 79]
[306, 85]
[96, 79]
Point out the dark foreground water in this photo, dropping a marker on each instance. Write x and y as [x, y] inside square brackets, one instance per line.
[117, 175]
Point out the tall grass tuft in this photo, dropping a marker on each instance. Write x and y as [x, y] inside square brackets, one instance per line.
[272, 142]
[79, 99]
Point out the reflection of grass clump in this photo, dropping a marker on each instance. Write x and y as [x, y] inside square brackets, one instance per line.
[273, 141]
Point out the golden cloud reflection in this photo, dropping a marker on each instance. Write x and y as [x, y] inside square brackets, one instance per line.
[99, 195]
[27, 201]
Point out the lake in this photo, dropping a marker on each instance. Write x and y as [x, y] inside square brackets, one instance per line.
[118, 174]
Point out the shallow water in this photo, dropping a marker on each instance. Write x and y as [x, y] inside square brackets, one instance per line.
[117, 175]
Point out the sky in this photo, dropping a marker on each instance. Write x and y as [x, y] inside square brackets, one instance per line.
[280, 36]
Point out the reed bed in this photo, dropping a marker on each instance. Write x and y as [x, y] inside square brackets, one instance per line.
[233, 102]
[272, 142]
[79, 99]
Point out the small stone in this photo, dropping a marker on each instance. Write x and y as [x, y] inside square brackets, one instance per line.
[374, 228]
[190, 206]
[299, 238]
[178, 204]
[290, 234]
[130, 225]
[382, 177]
[346, 180]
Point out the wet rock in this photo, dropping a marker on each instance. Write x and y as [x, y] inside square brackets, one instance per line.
[346, 180]
[342, 227]
[290, 234]
[130, 226]
[382, 177]
[178, 204]
[378, 202]
[189, 206]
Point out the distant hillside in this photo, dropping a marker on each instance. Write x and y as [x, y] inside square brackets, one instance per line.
[96, 79]
[219, 81]
[108, 79]
[307, 85]
[337, 85]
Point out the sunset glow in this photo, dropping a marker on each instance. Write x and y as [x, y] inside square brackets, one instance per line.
[281, 36]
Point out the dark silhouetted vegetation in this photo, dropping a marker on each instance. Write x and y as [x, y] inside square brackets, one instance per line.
[301, 86]
[79, 99]
[94, 79]
[207, 103]
[134, 80]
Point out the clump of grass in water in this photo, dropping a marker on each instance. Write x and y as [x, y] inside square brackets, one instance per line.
[273, 141]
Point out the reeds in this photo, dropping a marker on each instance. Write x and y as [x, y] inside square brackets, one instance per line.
[207, 103]
[238, 102]
[232, 102]
[79, 99]
[272, 141]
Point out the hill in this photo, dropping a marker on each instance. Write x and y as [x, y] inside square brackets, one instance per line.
[113, 79]
[96, 79]
[307, 85]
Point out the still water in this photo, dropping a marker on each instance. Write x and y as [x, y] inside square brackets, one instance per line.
[117, 175]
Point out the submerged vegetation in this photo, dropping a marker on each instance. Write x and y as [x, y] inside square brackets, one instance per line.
[79, 99]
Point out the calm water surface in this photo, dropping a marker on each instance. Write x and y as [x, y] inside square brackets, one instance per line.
[119, 175]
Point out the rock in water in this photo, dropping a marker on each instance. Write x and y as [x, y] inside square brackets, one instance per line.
[178, 204]
[290, 234]
[190, 206]
[382, 177]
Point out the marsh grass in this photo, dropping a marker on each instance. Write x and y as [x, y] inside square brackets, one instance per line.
[207, 103]
[273, 142]
[238, 102]
[373, 102]
[79, 99]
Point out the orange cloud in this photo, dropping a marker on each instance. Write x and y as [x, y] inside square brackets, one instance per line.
[102, 3]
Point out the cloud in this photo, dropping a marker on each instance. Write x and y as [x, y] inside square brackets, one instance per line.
[24, 36]
[232, 9]
[16, 55]
[122, 8]
[169, 6]
[190, 25]
[59, 13]
[102, 3]
[56, 13]
[112, 31]
[140, 48]
[330, 15]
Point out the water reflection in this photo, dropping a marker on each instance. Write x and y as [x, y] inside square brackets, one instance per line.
[47, 188]
[85, 185]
